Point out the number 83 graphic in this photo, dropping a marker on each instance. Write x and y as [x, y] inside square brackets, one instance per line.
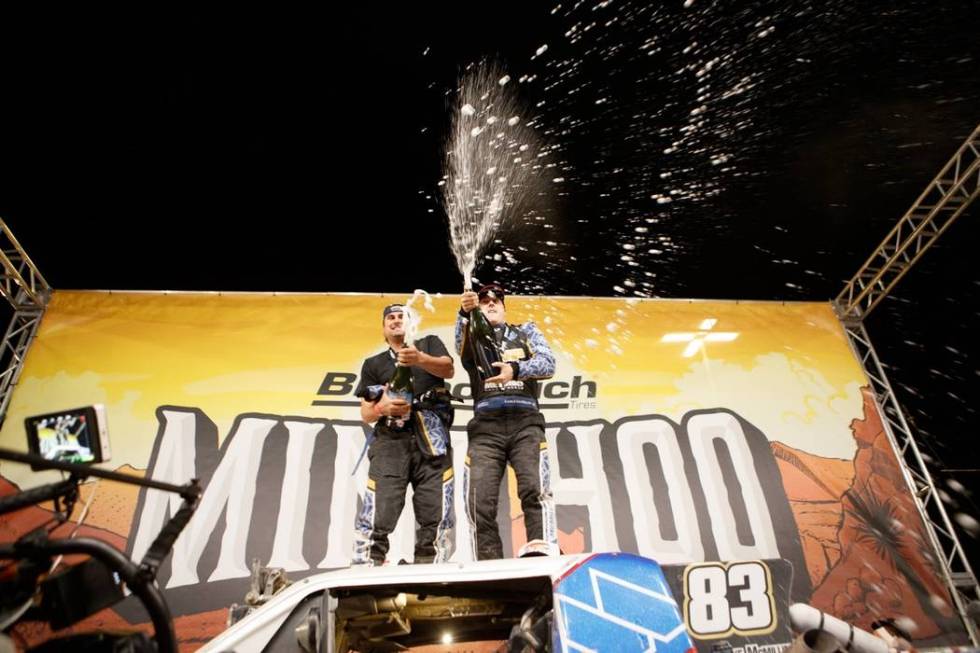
[722, 599]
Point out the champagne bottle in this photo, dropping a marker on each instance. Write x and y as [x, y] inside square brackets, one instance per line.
[485, 349]
[400, 387]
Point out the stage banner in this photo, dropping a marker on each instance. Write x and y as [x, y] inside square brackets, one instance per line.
[697, 433]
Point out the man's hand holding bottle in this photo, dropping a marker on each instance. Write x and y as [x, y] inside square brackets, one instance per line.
[409, 355]
[389, 406]
[469, 301]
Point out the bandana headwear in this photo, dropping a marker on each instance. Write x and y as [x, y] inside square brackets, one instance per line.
[392, 308]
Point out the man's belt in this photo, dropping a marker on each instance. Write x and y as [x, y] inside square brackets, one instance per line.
[504, 403]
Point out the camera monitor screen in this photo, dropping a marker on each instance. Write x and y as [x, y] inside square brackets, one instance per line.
[72, 436]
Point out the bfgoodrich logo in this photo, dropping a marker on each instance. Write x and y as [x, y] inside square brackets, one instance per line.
[337, 389]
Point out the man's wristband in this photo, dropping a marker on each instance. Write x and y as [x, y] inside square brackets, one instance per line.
[516, 368]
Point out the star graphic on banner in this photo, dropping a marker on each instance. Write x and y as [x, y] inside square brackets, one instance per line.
[695, 339]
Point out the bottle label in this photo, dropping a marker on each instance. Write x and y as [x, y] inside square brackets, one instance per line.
[399, 422]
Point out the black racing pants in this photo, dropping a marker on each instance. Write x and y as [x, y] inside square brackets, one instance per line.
[495, 440]
[396, 462]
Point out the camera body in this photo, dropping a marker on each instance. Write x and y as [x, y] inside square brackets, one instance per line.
[77, 435]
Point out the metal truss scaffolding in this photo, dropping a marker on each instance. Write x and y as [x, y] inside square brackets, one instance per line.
[940, 204]
[27, 293]
[944, 200]
[952, 561]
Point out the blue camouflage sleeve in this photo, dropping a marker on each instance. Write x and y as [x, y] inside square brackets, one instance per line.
[541, 364]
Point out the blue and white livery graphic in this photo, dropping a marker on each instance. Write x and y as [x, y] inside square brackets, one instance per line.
[617, 602]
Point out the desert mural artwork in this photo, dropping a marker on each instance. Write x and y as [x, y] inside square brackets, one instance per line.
[703, 434]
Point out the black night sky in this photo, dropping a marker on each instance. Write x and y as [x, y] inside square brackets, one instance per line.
[764, 149]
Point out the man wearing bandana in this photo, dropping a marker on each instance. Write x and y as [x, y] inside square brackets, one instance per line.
[409, 445]
[507, 427]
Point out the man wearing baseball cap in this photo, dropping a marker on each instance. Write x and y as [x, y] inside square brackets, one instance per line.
[507, 426]
[409, 445]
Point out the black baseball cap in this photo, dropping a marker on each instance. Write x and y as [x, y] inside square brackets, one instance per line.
[494, 290]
